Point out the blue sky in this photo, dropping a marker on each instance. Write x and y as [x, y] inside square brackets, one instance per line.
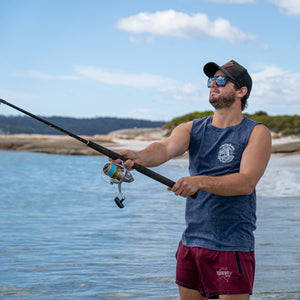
[144, 59]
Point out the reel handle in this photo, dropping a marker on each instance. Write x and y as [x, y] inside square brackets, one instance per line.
[119, 202]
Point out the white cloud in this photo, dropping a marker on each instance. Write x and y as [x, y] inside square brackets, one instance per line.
[172, 87]
[182, 25]
[176, 89]
[121, 78]
[289, 7]
[276, 86]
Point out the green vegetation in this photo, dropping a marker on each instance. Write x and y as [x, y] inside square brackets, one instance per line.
[189, 117]
[281, 125]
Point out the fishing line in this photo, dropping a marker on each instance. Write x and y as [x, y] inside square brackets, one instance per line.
[107, 152]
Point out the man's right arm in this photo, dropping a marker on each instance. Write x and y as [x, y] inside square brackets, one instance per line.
[159, 152]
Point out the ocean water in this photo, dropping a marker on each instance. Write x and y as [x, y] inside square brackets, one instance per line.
[63, 237]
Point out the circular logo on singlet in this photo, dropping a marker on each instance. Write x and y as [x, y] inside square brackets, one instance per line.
[226, 153]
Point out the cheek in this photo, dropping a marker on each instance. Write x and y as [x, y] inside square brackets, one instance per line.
[229, 93]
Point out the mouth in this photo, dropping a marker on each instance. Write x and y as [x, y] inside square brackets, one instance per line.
[214, 91]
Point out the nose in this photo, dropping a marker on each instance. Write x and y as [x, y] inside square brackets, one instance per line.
[214, 84]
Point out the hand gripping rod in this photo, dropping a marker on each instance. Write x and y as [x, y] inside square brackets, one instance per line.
[109, 153]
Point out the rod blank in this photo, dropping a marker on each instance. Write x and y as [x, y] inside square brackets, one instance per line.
[158, 177]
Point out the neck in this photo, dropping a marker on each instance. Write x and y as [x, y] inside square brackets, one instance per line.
[227, 117]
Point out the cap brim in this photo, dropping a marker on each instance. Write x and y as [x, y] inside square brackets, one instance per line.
[210, 69]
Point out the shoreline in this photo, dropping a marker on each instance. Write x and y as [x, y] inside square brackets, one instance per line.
[137, 140]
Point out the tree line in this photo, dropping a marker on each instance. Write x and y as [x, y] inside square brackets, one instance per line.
[283, 125]
[80, 126]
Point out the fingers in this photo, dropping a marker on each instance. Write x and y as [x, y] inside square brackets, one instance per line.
[131, 157]
[128, 164]
[185, 187]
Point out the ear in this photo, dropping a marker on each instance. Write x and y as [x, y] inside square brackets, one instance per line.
[242, 92]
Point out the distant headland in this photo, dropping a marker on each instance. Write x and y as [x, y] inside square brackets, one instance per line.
[25, 134]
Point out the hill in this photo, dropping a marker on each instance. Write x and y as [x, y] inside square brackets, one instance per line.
[93, 126]
[280, 125]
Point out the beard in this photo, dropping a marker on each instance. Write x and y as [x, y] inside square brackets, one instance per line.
[222, 101]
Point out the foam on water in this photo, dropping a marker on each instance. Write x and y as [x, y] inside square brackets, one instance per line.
[279, 183]
[281, 179]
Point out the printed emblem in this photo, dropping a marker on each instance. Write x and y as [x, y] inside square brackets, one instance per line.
[226, 153]
[224, 273]
[229, 64]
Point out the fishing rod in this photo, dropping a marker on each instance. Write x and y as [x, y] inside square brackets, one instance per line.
[117, 172]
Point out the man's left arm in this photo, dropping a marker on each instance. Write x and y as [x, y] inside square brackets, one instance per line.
[253, 164]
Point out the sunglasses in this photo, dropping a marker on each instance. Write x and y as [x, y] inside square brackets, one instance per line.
[220, 81]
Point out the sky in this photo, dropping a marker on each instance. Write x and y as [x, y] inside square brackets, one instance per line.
[144, 59]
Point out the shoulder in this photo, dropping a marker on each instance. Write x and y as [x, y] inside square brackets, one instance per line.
[183, 128]
[261, 135]
[261, 129]
[257, 128]
[180, 133]
[177, 143]
[186, 127]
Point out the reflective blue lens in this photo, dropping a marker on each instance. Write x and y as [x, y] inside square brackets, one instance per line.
[220, 80]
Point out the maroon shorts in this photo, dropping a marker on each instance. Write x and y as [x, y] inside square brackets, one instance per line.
[213, 272]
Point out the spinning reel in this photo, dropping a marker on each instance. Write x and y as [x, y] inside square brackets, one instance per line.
[118, 174]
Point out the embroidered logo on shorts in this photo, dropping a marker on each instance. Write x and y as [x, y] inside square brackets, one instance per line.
[226, 153]
[224, 273]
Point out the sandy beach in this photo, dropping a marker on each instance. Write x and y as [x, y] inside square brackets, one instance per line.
[134, 139]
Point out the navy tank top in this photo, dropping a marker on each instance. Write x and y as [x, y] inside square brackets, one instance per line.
[219, 222]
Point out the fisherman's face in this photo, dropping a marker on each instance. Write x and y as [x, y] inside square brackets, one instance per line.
[222, 96]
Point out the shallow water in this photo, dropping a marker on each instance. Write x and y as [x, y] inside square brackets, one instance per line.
[63, 237]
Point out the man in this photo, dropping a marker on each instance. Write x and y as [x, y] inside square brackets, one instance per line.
[228, 154]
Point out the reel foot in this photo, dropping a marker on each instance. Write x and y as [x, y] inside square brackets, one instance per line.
[119, 202]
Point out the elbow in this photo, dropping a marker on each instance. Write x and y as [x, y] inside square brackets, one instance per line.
[249, 191]
[249, 187]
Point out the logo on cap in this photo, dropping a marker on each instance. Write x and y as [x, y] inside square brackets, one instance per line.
[229, 64]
